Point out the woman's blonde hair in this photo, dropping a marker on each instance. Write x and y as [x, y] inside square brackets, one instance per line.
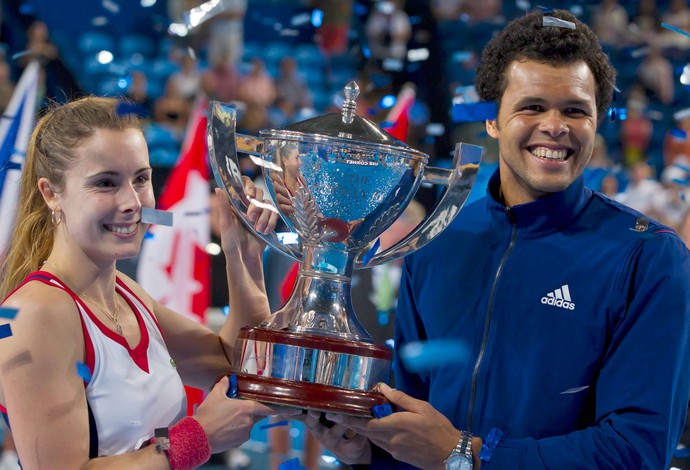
[49, 155]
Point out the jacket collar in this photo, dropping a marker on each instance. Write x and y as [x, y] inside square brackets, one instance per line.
[545, 215]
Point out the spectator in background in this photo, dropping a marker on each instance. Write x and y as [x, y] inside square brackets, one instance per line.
[258, 87]
[636, 129]
[599, 166]
[171, 110]
[138, 92]
[644, 193]
[226, 40]
[56, 82]
[291, 87]
[188, 79]
[610, 22]
[222, 80]
[678, 15]
[676, 141]
[655, 74]
[6, 85]
[388, 31]
[334, 32]
[646, 23]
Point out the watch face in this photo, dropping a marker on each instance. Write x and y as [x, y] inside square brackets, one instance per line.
[459, 462]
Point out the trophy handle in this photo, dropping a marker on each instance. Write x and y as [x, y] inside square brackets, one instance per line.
[223, 144]
[459, 181]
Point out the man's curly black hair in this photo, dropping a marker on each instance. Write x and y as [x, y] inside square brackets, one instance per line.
[527, 39]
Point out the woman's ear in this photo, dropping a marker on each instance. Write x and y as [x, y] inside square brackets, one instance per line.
[48, 193]
[492, 128]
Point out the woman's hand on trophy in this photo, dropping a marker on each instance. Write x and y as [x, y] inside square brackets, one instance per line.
[402, 434]
[228, 422]
[347, 446]
[261, 211]
[283, 195]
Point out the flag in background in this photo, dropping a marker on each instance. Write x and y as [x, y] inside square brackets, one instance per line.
[397, 122]
[15, 130]
[173, 265]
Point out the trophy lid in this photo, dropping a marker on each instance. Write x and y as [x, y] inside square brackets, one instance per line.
[345, 128]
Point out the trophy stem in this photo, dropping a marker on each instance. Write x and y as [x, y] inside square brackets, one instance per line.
[320, 304]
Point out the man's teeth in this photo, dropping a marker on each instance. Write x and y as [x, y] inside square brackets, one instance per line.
[124, 230]
[550, 154]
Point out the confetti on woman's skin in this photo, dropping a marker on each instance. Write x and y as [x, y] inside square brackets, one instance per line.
[84, 372]
[155, 216]
[558, 23]
[427, 355]
[5, 331]
[274, 425]
[9, 313]
[574, 390]
[677, 30]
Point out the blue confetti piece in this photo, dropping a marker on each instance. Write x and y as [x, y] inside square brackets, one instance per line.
[232, 389]
[490, 443]
[84, 372]
[372, 251]
[383, 317]
[677, 30]
[474, 112]
[9, 313]
[679, 134]
[426, 355]
[148, 235]
[681, 181]
[682, 167]
[545, 10]
[382, 410]
[274, 425]
[292, 464]
[5, 331]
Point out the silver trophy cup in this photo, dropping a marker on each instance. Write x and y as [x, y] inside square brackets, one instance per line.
[338, 181]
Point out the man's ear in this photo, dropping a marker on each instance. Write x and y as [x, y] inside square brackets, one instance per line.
[48, 193]
[492, 128]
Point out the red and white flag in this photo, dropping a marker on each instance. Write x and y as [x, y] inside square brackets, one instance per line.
[398, 120]
[174, 266]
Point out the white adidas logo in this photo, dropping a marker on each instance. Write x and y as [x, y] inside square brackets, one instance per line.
[559, 298]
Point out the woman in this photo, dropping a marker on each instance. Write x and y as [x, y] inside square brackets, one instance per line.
[85, 182]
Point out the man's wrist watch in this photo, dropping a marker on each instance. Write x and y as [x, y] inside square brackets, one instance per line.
[461, 457]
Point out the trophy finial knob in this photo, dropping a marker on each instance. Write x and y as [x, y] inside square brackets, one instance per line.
[350, 105]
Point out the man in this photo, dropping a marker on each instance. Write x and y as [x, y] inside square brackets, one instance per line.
[574, 308]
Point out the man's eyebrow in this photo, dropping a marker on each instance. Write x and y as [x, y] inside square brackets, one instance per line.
[539, 100]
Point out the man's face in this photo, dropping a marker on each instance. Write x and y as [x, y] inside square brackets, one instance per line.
[545, 128]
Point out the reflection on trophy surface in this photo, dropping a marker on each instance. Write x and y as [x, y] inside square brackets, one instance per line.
[338, 181]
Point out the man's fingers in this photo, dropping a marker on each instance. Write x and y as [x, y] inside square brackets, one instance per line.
[401, 399]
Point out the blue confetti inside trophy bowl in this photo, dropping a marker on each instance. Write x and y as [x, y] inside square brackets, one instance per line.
[338, 181]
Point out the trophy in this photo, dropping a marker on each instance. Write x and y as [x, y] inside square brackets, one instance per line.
[338, 181]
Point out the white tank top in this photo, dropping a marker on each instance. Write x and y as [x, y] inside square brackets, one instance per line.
[132, 391]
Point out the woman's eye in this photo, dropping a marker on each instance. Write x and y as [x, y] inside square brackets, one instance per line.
[143, 179]
[105, 184]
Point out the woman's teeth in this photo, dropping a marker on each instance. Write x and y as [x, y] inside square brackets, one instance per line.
[123, 230]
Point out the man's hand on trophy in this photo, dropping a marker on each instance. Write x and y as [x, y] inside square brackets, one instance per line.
[347, 446]
[417, 426]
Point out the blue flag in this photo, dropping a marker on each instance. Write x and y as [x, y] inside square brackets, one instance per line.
[15, 130]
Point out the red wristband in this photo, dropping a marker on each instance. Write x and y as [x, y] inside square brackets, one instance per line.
[189, 447]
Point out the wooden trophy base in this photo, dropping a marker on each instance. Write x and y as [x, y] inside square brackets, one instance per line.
[308, 396]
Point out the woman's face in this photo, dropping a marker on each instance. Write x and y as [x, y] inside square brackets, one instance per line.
[105, 190]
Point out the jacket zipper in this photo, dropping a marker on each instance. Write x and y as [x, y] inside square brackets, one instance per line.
[475, 372]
